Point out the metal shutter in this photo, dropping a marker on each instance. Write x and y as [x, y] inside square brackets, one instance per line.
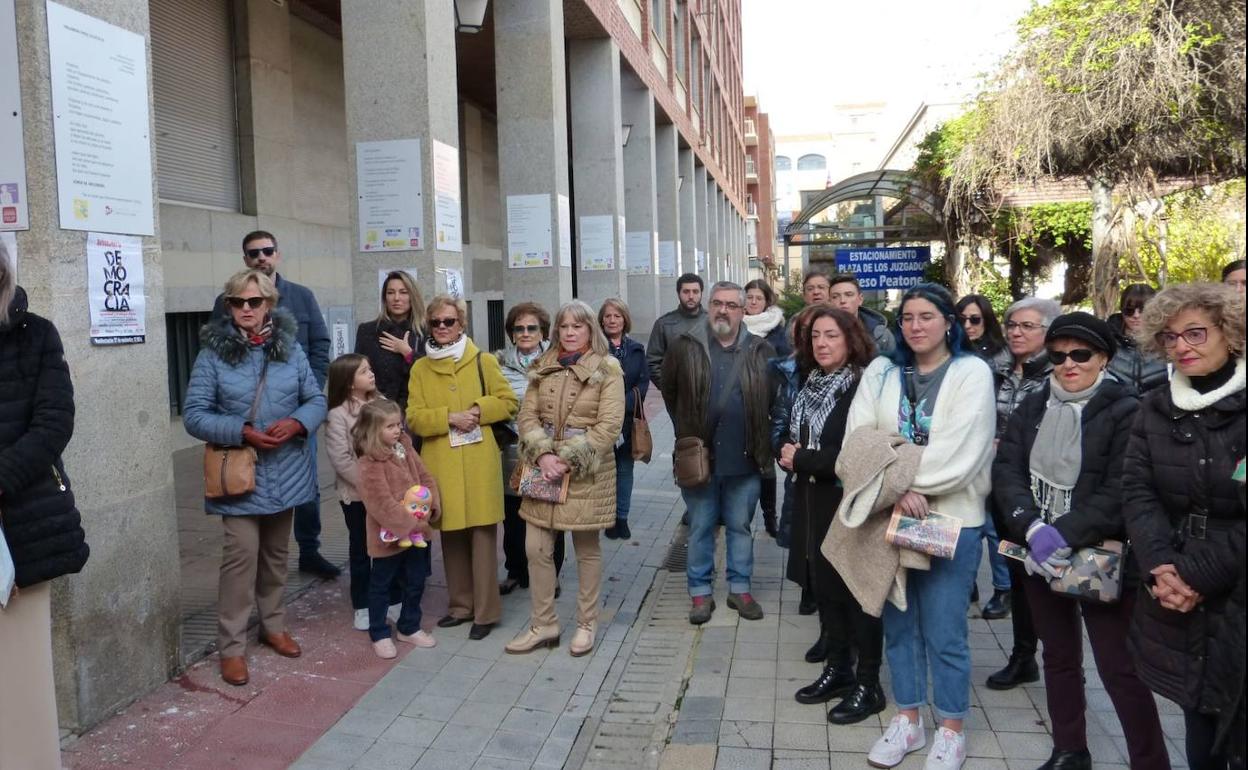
[193, 84]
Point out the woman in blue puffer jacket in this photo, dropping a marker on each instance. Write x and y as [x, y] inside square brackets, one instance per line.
[252, 385]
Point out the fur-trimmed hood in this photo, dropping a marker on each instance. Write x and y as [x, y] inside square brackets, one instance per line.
[591, 369]
[221, 336]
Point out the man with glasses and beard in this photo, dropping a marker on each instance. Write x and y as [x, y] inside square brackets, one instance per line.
[260, 252]
[715, 387]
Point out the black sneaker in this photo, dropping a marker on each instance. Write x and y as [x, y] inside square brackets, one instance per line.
[997, 607]
[318, 565]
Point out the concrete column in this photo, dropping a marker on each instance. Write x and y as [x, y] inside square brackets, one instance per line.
[266, 111]
[400, 82]
[714, 246]
[640, 203]
[687, 199]
[533, 138]
[597, 164]
[702, 212]
[115, 626]
[666, 172]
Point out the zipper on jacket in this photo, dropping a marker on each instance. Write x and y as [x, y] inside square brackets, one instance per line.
[60, 483]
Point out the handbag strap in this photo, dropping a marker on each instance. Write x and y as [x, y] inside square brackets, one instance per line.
[255, 402]
[639, 412]
[481, 375]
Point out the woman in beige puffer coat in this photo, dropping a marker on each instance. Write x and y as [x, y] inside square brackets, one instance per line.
[569, 423]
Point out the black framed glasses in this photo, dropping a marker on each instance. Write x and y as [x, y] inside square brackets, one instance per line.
[526, 329]
[267, 251]
[447, 322]
[238, 302]
[1197, 335]
[1078, 355]
[973, 320]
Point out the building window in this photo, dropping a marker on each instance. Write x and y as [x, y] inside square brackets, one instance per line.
[695, 83]
[181, 347]
[656, 18]
[783, 163]
[811, 162]
[679, 11]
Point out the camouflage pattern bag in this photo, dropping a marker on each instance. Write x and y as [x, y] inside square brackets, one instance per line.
[1094, 574]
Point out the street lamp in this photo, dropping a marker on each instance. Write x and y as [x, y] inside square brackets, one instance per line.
[470, 15]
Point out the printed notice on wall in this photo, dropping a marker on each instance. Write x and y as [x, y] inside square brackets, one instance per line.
[699, 261]
[669, 258]
[383, 272]
[100, 124]
[598, 242]
[454, 282]
[529, 242]
[388, 176]
[13, 215]
[639, 245]
[565, 232]
[339, 340]
[115, 289]
[446, 208]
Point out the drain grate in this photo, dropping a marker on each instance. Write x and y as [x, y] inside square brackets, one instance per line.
[678, 551]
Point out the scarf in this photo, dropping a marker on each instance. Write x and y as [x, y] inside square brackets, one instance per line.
[816, 401]
[526, 359]
[454, 351]
[761, 325]
[1057, 453]
[262, 336]
[568, 359]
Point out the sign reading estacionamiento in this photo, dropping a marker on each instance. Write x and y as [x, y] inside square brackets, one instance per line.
[886, 268]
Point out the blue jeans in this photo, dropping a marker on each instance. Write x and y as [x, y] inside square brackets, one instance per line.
[623, 481]
[413, 564]
[730, 499]
[308, 515]
[932, 632]
[996, 562]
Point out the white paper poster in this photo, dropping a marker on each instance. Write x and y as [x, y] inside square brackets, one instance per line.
[669, 258]
[529, 242]
[339, 340]
[447, 206]
[639, 246]
[100, 124]
[388, 176]
[383, 272]
[13, 214]
[454, 282]
[699, 261]
[115, 288]
[565, 232]
[598, 242]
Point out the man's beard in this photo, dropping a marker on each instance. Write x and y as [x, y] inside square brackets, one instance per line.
[721, 328]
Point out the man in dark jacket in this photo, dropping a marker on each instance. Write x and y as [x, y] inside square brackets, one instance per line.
[715, 386]
[674, 323]
[260, 252]
[845, 293]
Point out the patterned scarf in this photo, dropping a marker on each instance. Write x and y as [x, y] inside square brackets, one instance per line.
[453, 350]
[816, 401]
[258, 338]
[1057, 453]
[568, 359]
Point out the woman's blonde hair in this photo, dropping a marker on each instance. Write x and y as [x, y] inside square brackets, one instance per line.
[1221, 302]
[416, 313]
[366, 434]
[621, 307]
[236, 284]
[446, 300]
[8, 284]
[579, 312]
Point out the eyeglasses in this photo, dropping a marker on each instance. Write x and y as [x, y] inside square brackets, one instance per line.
[973, 320]
[1078, 355]
[530, 329]
[1197, 335]
[447, 322]
[267, 251]
[252, 302]
[1129, 311]
[717, 305]
[1026, 326]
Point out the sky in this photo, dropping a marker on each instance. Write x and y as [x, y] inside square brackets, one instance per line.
[801, 57]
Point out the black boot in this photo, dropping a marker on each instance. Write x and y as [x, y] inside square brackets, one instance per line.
[807, 605]
[818, 651]
[865, 700]
[998, 606]
[1068, 760]
[769, 523]
[1020, 670]
[975, 594]
[835, 681]
[622, 532]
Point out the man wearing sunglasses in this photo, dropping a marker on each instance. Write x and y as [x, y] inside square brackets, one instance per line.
[260, 252]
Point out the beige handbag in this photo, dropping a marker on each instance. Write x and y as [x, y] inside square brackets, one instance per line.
[230, 471]
[643, 443]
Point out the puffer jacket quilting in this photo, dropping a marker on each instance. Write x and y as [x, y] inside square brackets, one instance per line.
[1012, 388]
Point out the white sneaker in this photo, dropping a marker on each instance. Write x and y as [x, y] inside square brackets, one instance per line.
[392, 614]
[361, 620]
[421, 639]
[948, 751]
[898, 740]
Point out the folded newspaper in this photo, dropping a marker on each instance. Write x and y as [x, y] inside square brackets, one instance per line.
[935, 535]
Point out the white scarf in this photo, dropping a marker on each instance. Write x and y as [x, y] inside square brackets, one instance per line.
[455, 350]
[761, 325]
[1189, 399]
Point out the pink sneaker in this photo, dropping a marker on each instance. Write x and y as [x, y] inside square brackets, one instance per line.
[419, 639]
[385, 648]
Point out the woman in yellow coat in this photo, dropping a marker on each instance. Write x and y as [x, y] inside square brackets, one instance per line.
[569, 425]
[454, 394]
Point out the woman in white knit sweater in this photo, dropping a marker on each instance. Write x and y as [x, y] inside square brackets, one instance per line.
[936, 393]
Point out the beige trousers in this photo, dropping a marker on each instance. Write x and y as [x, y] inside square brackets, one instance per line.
[253, 574]
[29, 737]
[470, 558]
[539, 546]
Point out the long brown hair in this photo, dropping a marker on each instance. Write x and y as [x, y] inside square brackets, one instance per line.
[341, 378]
[861, 348]
[366, 435]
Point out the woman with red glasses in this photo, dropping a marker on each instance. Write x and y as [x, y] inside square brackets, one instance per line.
[1183, 499]
[1133, 365]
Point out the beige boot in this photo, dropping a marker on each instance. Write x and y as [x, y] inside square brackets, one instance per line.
[582, 640]
[533, 638]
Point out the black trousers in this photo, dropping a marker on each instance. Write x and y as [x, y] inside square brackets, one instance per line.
[847, 627]
[767, 496]
[1020, 611]
[514, 559]
[1200, 731]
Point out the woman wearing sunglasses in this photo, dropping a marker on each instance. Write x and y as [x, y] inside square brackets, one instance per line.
[982, 328]
[1133, 365]
[455, 393]
[1057, 480]
[252, 384]
[1183, 497]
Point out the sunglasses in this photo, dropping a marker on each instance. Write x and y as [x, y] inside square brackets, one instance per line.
[1130, 311]
[973, 320]
[1197, 335]
[238, 302]
[267, 251]
[1078, 355]
[530, 329]
[446, 322]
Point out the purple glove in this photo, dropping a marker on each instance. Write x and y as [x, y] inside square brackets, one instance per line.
[1043, 540]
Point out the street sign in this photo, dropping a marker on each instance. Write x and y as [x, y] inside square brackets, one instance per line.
[889, 268]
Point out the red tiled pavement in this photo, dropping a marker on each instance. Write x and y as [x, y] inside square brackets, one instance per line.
[196, 720]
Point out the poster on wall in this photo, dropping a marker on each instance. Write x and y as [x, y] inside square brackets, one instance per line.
[669, 258]
[383, 272]
[454, 282]
[565, 232]
[100, 124]
[638, 246]
[447, 210]
[598, 242]
[13, 214]
[388, 177]
[699, 261]
[529, 242]
[115, 289]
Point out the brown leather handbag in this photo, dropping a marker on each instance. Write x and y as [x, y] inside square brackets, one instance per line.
[230, 471]
[691, 462]
[643, 443]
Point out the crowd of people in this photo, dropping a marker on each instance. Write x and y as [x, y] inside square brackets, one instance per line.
[1101, 460]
